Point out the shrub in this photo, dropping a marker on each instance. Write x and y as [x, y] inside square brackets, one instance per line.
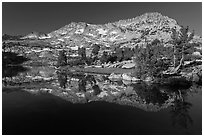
[119, 54]
[95, 50]
[104, 57]
[127, 54]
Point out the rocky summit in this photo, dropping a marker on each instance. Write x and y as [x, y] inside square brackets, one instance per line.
[126, 33]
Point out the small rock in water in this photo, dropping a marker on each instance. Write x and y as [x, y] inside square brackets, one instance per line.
[135, 79]
[126, 77]
[115, 76]
[126, 82]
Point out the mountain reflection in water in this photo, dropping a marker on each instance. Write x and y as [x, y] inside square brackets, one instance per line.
[85, 88]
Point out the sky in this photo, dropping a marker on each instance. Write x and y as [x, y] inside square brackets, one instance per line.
[22, 18]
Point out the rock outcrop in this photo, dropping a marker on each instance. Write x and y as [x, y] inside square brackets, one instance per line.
[127, 33]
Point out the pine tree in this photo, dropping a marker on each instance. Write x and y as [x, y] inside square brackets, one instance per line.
[96, 49]
[127, 53]
[62, 59]
[119, 53]
[181, 46]
[104, 57]
[82, 53]
[62, 79]
[150, 60]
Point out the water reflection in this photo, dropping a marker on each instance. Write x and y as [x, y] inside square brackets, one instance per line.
[62, 79]
[180, 113]
[151, 93]
[180, 109]
[12, 71]
[11, 67]
[84, 88]
[147, 97]
[10, 58]
[12, 64]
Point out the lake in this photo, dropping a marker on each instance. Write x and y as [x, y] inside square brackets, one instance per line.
[42, 100]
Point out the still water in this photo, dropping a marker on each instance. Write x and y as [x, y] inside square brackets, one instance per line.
[41, 100]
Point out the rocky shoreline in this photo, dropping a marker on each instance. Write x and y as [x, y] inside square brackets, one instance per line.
[191, 74]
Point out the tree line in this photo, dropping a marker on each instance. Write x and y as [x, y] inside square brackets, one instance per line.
[151, 59]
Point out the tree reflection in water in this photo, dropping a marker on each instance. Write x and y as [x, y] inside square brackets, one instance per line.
[150, 93]
[180, 113]
[180, 110]
[156, 94]
[12, 66]
[93, 82]
[151, 97]
[82, 83]
[83, 80]
[62, 79]
[12, 71]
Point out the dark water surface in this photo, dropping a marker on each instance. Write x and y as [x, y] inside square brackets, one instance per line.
[30, 109]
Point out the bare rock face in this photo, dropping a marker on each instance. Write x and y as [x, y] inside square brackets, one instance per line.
[146, 27]
[35, 35]
[129, 33]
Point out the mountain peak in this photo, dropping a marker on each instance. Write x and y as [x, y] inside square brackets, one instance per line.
[136, 31]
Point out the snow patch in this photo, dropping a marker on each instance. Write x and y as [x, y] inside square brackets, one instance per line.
[90, 34]
[65, 93]
[74, 79]
[36, 50]
[74, 48]
[113, 32]
[74, 55]
[61, 40]
[79, 31]
[45, 37]
[63, 33]
[112, 39]
[114, 93]
[102, 31]
[47, 49]
[196, 53]
[46, 89]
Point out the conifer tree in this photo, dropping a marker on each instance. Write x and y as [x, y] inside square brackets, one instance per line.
[119, 53]
[104, 57]
[149, 60]
[62, 59]
[82, 53]
[181, 46]
[96, 49]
